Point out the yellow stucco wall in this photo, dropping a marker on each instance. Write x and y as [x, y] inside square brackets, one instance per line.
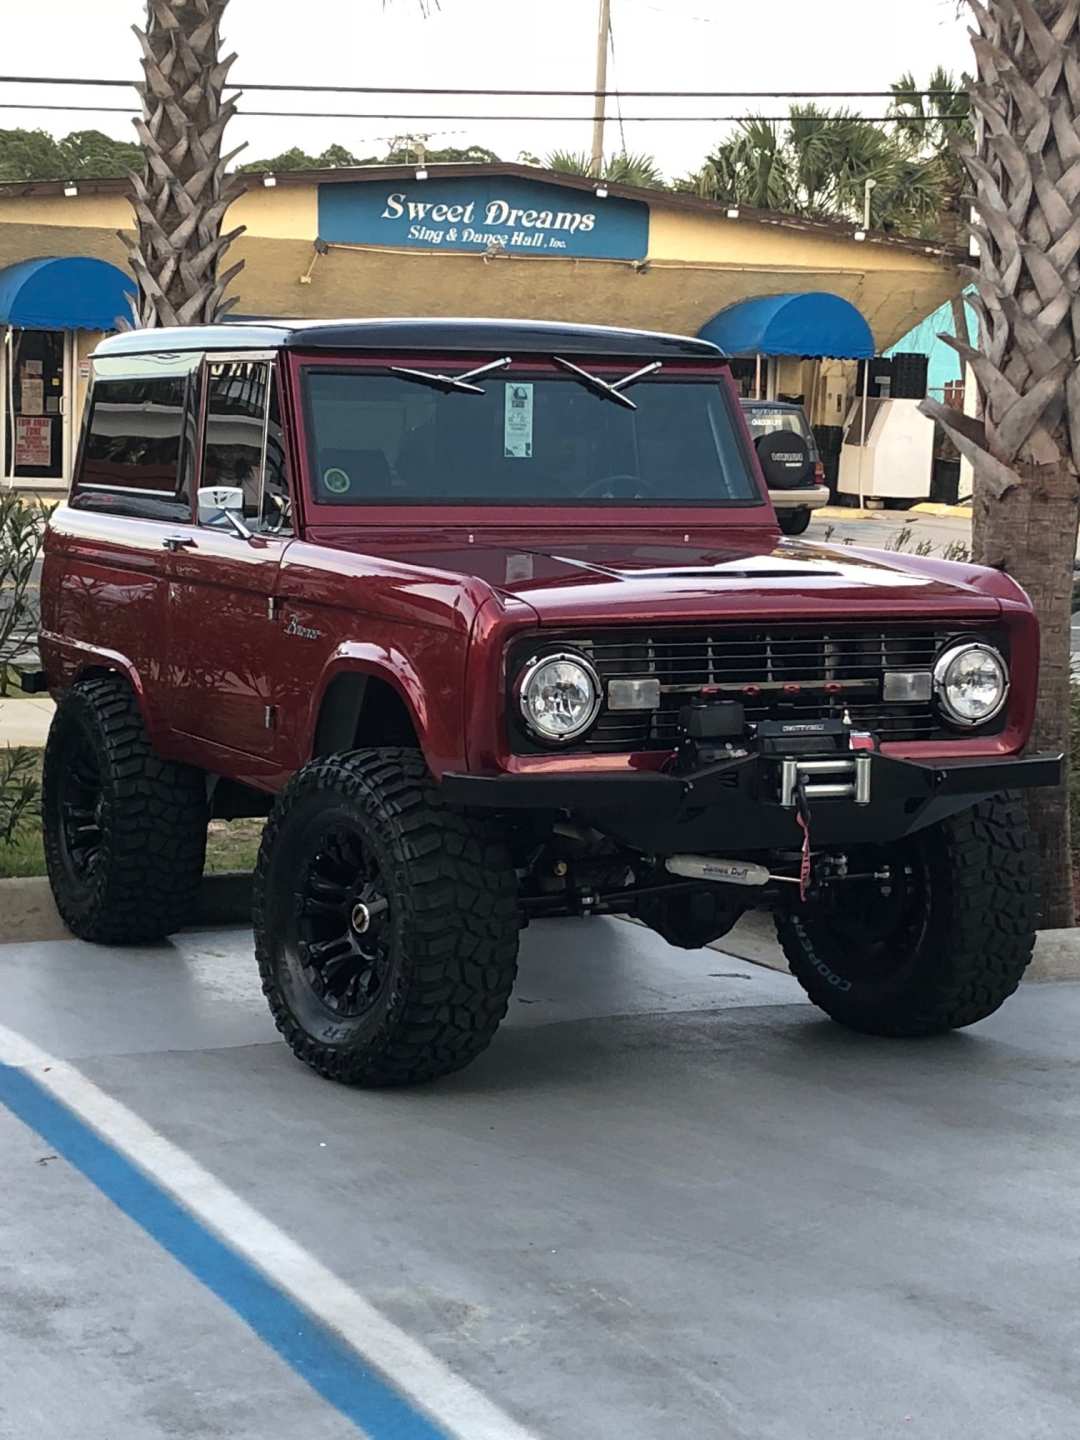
[678, 234]
[697, 265]
[81, 212]
[278, 212]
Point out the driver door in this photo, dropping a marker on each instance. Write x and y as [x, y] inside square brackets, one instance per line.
[222, 634]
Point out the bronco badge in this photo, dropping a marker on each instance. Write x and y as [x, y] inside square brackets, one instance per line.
[302, 632]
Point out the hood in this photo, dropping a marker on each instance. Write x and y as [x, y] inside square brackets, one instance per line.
[743, 573]
[565, 582]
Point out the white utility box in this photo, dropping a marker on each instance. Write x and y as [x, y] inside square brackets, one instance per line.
[898, 459]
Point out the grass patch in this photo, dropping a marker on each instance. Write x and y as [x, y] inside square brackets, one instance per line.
[230, 845]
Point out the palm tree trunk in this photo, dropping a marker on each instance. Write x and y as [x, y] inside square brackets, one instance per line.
[1031, 533]
[181, 200]
[1026, 447]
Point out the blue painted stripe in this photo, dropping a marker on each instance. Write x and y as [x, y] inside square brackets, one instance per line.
[311, 1349]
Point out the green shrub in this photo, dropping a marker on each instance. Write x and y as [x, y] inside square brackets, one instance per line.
[18, 791]
[22, 533]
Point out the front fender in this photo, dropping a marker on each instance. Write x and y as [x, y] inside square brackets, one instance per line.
[425, 684]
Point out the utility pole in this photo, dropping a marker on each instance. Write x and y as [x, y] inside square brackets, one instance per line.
[597, 164]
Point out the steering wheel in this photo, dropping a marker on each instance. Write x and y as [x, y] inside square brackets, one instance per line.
[619, 487]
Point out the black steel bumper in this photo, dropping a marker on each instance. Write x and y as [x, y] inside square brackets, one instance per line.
[737, 804]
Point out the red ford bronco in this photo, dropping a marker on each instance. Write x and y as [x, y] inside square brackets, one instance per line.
[495, 621]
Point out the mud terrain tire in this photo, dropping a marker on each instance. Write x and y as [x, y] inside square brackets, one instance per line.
[386, 925]
[959, 952]
[124, 830]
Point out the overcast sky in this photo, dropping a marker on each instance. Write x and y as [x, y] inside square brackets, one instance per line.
[658, 45]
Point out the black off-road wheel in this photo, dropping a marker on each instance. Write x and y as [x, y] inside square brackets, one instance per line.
[386, 925]
[939, 945]
[124, 830]
[794, 522]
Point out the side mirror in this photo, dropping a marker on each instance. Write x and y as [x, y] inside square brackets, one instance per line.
[215, 501]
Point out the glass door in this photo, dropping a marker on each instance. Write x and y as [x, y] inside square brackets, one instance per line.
[35, 386]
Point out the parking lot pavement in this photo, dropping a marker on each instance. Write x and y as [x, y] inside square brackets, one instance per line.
[671, 1200]
[880, 530]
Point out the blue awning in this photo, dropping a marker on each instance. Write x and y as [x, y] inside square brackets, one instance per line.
[815, 324]
[72, 292]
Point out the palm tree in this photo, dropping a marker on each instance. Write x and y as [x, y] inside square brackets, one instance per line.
[935, 117]
[1026, 448]
[622, 169]
[934, 124]
[181, 199]
[818, 165]
[751, 167]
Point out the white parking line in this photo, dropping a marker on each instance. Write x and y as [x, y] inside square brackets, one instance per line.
[451, 1403]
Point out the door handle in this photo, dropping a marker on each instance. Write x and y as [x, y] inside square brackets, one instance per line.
[179, 542]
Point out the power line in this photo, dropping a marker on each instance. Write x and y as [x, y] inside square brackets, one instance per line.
[675, 15]
[511, 119]
[546, 94]
[618, 97]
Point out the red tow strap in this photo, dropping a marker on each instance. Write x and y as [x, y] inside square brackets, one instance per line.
[802, 815]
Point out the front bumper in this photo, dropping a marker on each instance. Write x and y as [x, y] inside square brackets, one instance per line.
[738, 804]
[812, 497]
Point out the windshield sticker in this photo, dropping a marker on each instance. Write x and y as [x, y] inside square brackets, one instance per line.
[518, 423]
[336, 481]
[518, 567]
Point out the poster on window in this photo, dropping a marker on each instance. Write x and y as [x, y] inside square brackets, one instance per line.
[518, 422]
[32, 398]
[33, 440]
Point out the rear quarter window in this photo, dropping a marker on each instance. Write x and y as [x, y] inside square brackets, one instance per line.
[138, 448]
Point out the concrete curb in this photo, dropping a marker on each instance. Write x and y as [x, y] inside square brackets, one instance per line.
[27, 912]
[842, 512]
[1057, 952]
[955, 512]
[1057, 956]
[25, 720]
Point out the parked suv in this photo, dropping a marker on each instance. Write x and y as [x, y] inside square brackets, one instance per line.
[495, 620]
[789, 459]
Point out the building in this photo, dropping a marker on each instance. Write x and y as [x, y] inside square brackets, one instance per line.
[496, 240]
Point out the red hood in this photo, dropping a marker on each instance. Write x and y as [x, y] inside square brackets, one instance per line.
[743, 573]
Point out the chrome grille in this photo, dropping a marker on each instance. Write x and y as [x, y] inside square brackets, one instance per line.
[792, 673]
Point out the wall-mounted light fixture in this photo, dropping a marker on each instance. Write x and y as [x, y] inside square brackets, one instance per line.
[269, 181]
[71, 189]
[421, 172]
[601, 191]
[860, 235]
[733, 212]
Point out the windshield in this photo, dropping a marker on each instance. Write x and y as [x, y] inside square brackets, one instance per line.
[407, 438]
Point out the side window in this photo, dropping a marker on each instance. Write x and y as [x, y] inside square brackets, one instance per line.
[276, 504]
[138, 454]
[244, 446]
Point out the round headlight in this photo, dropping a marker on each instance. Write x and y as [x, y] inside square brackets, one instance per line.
[972, 682]
[559, 696]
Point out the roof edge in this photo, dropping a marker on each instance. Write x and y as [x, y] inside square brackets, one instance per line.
[676, 199]
[467, 334]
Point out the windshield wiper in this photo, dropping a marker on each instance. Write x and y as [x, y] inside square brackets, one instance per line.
[611, 391]
[451, 382]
